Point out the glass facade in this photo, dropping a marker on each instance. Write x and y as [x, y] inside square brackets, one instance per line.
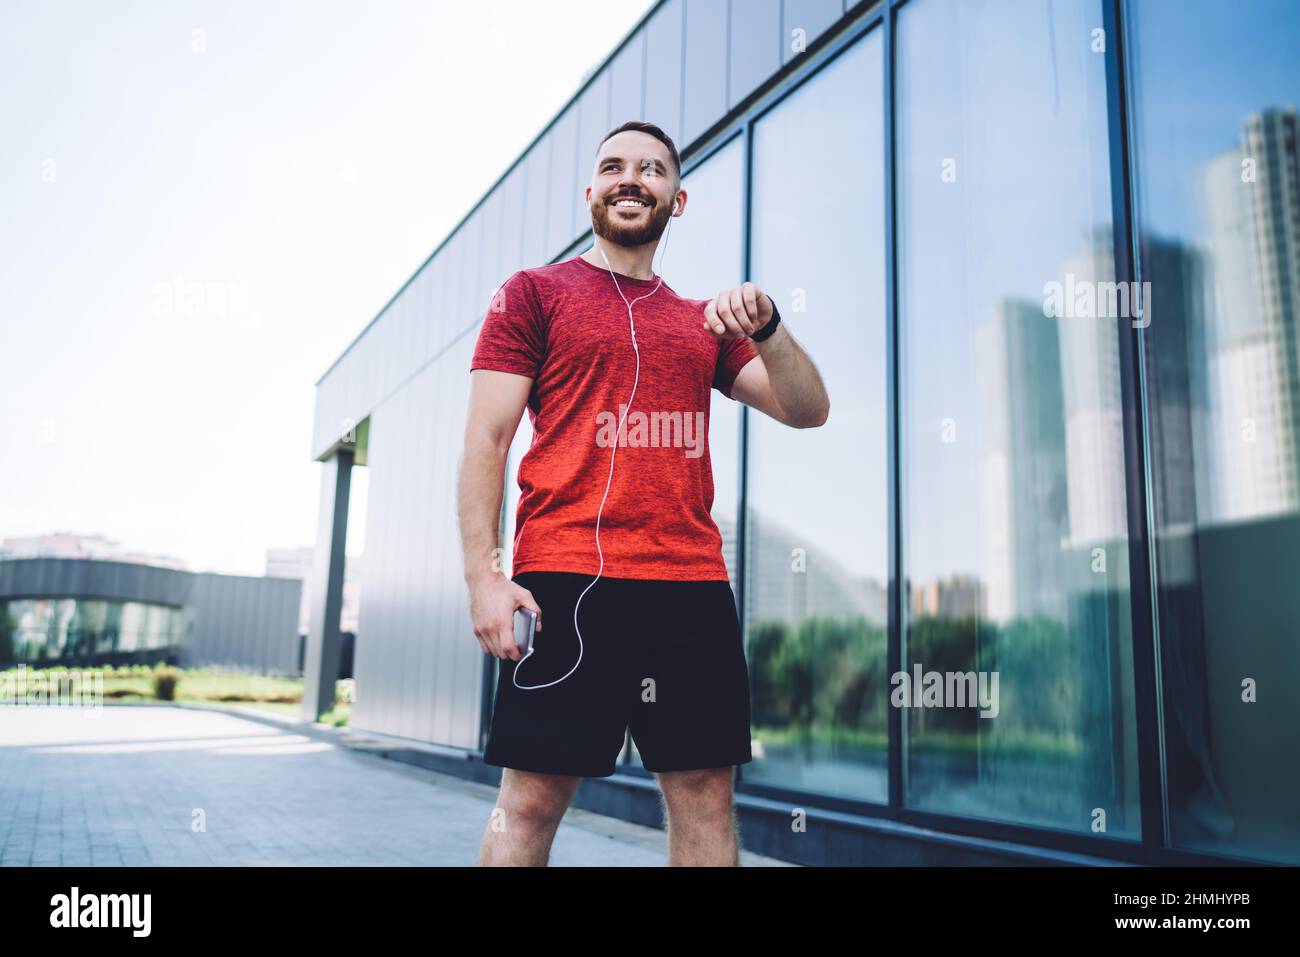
[1218, 237]
[816, 551]
[50, 630]
[1015, 527]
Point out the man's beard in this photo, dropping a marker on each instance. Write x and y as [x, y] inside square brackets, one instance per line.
[607, 227]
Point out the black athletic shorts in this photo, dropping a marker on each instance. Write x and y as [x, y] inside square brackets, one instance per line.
[663, 657]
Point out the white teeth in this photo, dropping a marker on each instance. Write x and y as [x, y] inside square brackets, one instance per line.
[629, 202]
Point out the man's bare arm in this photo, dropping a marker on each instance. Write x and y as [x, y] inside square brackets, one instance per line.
[496, 404]
[783, 383]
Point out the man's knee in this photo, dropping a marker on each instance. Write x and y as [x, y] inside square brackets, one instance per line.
[536, 799]
[705, 790]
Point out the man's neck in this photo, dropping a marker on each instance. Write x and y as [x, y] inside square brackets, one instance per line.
[636, 262]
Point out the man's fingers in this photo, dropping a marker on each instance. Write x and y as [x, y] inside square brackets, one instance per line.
[711, 320]
[506, 644]
[726, 305]
[739, 310]
[749, 293]
[493, 638]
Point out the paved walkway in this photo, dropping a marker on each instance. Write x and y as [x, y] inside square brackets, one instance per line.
[124, 788]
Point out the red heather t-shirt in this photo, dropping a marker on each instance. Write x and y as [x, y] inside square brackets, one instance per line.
[566, 327]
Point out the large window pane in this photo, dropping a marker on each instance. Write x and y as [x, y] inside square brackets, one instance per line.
[816, 540]
[1218, 187]
[1015, 537]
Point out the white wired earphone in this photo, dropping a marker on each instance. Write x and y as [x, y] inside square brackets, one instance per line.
[617, 433]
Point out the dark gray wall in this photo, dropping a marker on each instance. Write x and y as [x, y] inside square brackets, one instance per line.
[245, 623]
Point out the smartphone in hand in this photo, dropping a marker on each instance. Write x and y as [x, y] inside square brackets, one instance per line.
[525, 628]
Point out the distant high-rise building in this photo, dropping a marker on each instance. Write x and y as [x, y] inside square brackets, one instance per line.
[1176, 401]
[1176, 387]
[1093, 410]
[1251, 196]
[1024, 511]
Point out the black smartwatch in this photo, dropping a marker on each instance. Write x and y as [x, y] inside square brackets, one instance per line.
[767, 330]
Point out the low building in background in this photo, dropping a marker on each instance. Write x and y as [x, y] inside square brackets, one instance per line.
[83, 612]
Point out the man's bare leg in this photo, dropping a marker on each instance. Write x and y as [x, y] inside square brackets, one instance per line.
[523, 823]
[702, 826]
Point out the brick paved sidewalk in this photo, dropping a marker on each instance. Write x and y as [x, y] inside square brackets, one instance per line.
[123, 788]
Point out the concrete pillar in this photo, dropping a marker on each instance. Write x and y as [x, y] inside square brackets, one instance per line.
[321, 659]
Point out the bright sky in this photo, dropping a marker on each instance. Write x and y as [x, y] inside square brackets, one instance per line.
[294, 162]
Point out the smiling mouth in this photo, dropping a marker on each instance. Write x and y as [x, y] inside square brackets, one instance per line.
[628, 202]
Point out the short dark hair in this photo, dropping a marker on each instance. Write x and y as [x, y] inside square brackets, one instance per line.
[640, 126]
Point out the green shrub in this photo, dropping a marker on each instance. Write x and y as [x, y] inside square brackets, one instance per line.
[165, 679]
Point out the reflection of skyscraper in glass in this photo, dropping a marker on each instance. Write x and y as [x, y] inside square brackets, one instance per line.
[1251, 196]
[1094, 425]
[1093, 413]
[1176, 400]
[1018, 358]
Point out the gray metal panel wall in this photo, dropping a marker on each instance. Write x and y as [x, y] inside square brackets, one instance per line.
[418, 664]
[593, 124]
[244, 623]
[469, 303]
[417, 661]
[538, 172]
[564, 178]
[512, 231]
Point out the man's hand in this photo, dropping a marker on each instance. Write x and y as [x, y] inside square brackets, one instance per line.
[492, 603]
[738, 313]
